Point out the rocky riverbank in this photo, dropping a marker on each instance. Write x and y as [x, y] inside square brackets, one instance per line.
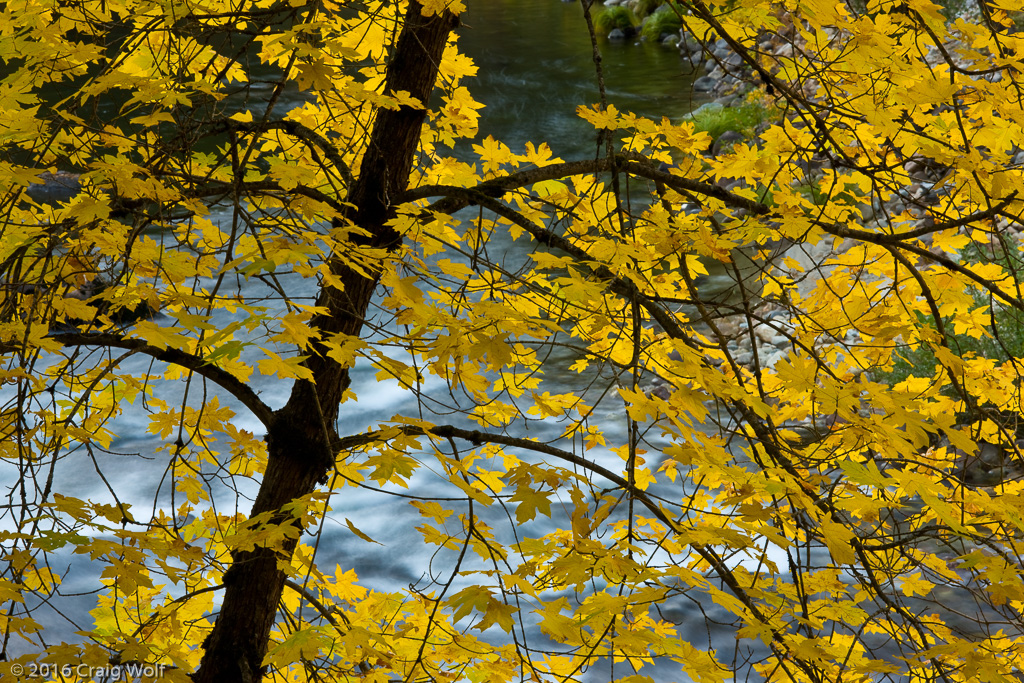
[766, 333]
[726, 79]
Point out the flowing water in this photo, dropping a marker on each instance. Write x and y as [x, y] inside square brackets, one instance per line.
[536, 66]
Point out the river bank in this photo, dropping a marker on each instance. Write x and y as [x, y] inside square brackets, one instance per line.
[762, 332]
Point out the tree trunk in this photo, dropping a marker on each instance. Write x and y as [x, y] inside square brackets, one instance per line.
[299, 440]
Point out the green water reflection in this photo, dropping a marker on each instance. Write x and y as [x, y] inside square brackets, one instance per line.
[536, 66]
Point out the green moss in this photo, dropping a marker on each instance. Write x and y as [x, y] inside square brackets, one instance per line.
[611, 18]
[742, 118]
[643, 8]
[664, 20]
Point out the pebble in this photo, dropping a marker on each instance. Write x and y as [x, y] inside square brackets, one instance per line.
[687, 43]
[764, 333]
[704, 84]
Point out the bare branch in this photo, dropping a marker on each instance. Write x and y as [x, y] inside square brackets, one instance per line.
[455, 198]
[198, 365]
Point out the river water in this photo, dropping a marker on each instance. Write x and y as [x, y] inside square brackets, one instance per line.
[535, 67]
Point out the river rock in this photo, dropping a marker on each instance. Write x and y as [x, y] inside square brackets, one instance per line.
[764, 333]
[726, 141]
[705, 109]
[734, 60]
[55, 187]
[689, 44]
[704, 84]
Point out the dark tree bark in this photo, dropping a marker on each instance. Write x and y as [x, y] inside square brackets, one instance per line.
[301, 434]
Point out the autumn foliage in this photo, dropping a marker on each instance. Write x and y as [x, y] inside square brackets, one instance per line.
[267, 190]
